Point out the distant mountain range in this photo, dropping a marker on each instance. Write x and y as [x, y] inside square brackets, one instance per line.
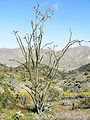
[73, 58]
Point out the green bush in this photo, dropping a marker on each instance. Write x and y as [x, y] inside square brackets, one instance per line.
[7, 99]
[53, 94]
[85, 103]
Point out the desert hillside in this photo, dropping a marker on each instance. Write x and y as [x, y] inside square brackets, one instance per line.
[74, 57]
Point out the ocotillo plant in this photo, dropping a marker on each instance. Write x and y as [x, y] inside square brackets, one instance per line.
[33, 58]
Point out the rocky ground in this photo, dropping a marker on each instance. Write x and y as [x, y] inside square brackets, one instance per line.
[66, 113]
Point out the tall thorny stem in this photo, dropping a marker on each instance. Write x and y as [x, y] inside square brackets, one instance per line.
[33, 58]
[32, 55]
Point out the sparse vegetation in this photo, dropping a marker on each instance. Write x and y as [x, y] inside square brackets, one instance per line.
[64, 97]
[35, 91]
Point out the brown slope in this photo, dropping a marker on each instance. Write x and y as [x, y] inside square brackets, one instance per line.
[75, 57]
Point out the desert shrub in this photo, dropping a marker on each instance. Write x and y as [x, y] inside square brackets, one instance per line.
[81, 100]
[69, 95]
[86, 73]
[15, 116]
[84, 103]
[20, 116]
[7, 99]
[30, 116]
[53, 94]
[22, 96]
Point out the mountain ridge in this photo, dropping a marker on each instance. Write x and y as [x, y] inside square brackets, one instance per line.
[73, 58]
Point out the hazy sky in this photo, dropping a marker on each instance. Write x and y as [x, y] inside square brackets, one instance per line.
[16, 14]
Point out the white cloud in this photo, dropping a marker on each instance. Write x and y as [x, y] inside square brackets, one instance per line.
[55, 6]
